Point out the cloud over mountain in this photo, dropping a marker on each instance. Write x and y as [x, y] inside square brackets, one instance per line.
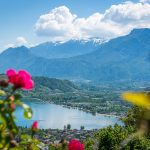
[57, 23]
[61, 24]
[19, 41]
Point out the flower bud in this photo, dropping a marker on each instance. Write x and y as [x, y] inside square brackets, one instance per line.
[35, 126]
[11, 98]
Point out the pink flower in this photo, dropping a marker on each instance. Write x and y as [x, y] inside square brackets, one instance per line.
[35, 125]
[75, 145]
[22, 79]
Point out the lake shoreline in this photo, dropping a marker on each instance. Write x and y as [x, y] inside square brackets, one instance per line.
[65, 106]
[54, 116]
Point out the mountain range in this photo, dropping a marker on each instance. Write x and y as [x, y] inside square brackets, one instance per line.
[67, 49]
[121, 59]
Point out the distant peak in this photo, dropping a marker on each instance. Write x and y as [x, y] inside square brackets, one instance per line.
[73, 41]
[20, 47]
[16, 49]
[140, 30]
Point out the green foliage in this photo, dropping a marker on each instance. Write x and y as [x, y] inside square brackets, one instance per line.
[138, 143]
[110, 138]
[53, 84]
[82, 127]
[27, 111]
[89, 144]
[133, 116]
[68, 126]
[29, 143]
[9, 100]
[121, 137]
[58, 147]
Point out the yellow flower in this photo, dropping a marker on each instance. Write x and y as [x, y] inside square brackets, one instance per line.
[2, 93]
[140, 99]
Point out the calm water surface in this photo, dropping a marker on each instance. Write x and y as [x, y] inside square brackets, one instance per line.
[54, 116]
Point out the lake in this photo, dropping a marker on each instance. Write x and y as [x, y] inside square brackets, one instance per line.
[55, 117]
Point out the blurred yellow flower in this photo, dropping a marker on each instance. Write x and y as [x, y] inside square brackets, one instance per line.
[2, 93]
[140, 99]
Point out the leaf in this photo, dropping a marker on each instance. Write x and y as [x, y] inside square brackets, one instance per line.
[2, 93]
[18, 96]
[25, 106]
[28, 113]
[2, 120]
[19, 103]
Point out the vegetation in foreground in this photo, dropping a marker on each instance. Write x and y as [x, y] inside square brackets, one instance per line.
[133, 135]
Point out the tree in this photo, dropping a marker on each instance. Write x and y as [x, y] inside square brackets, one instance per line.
[133, 116]
[108, 138]
[138, 143]
[68, 126]
[82, 128]
[65, 127]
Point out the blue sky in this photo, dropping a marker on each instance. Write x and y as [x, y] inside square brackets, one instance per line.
[18, 19]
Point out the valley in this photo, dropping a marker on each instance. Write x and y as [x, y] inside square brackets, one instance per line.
[104, 98]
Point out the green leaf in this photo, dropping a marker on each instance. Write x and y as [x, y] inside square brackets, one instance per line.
[28, 113]
[2, 120]
[18, 96]
[25, 106]
[26, 138]
[19, 103]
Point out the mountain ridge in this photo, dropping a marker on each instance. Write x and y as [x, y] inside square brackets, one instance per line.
[68, 49]
[122, 58]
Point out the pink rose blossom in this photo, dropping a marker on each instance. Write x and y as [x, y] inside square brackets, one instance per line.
[20, 79]
[75, 145]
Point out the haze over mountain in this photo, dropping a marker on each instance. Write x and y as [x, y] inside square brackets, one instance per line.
[123, 58]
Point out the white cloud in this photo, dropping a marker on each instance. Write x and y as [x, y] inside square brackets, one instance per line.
[57, 23]
[128, 13]
[20, 41]
[61, 24]
[8, 45]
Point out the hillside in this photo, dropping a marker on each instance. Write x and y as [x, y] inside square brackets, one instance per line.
[122, 59]
[54, 84]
